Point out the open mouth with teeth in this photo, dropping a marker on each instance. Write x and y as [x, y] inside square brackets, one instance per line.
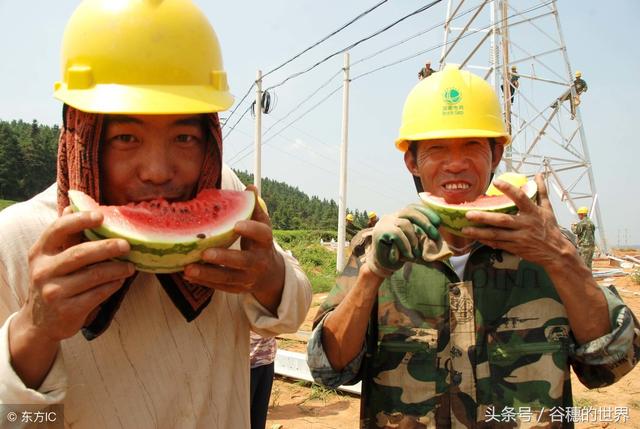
[457, 192]
[456, 186]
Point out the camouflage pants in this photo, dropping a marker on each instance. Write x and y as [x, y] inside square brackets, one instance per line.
[586, 253]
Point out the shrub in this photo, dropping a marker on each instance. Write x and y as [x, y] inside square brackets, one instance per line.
[5, 203]
[317, 262]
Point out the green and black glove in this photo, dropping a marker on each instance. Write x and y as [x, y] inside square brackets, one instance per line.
[408, 235]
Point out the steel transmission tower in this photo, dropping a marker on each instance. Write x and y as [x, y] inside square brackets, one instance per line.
[489, 37]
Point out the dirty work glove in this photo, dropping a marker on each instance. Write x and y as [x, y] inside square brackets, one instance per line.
[401, 237]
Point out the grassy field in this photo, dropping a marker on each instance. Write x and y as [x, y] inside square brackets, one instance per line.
[317, 262]
[5, 203]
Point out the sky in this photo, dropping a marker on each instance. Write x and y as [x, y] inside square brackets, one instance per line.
[600, 40]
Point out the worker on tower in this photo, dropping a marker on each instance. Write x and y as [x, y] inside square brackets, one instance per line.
[513, 83]
[585, 232]
[579, 86]
[425, 71]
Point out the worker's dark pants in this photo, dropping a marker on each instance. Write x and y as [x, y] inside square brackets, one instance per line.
[512, 91]
[261, 382]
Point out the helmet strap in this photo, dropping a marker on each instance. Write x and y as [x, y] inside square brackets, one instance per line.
[418, 183]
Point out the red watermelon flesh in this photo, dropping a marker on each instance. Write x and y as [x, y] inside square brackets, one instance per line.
[453, 216]
[165, 236]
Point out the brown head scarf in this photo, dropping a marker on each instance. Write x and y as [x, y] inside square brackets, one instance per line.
[79, 168]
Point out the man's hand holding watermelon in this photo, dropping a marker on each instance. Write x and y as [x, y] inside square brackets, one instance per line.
[257, 268]
[402, 237]
[533, 234]
[70, 278]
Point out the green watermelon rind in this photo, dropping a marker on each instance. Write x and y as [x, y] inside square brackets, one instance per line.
[167, 257]
[454, 218]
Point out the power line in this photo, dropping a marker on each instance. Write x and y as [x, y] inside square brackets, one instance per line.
[366, 12]
[361, 15]
[298, 106]
[237, 122]
[420, 10]
[375, 191]
[424, 51]
[361, 173]
[333, 173]
[307, 98]
[286, 126]
[405, 40]
[334, 146]
[353, 45]
[238, 105]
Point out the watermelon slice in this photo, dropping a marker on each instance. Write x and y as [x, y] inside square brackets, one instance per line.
[165, 236]
[453, 215]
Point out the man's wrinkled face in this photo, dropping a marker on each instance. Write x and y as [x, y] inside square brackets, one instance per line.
[149, 156]
[457, 170]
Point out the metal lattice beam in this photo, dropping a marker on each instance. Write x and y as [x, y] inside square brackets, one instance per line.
[547, 130]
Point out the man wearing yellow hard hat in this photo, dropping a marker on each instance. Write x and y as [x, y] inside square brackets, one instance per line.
[141, 83]
[585, 232]
[579, 86]
[514, 83]
[373, 219]
[466, 330]
[350, 228]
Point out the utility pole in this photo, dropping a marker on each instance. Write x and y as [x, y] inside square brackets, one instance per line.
[342, 193]
[257, 166]
[506, 78]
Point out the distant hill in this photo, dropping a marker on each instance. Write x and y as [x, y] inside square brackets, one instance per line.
[290, 208]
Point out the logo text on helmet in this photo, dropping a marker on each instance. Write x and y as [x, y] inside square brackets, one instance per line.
[452, 97]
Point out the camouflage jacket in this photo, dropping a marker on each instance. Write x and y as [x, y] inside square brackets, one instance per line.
[445, 353]
[581, 85]
[351, 230]
[585, 231]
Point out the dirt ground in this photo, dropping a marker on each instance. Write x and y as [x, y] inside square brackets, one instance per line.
[299, 405]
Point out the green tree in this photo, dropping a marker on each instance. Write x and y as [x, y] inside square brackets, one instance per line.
[12, 168]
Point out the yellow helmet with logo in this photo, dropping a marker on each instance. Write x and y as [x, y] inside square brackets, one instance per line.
[578, 74]
[372, 215]
[583, 210]
[349, 217]
[141, 57]
[452, 103]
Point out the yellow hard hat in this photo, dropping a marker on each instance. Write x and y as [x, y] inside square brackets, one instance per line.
[141, 57]
[514, 68]
[451, 103]
[583, 210]
[578, 74]
[372, 215]
[349, 217]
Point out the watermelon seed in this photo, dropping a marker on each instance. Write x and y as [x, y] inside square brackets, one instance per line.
[201, 235]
